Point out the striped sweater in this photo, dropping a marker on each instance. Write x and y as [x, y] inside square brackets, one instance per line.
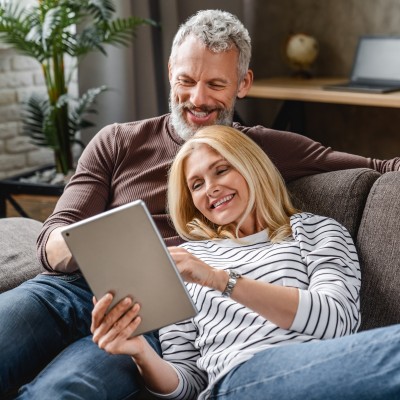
[321, 261]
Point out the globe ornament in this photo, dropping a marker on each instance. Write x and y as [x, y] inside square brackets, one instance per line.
[301, 53]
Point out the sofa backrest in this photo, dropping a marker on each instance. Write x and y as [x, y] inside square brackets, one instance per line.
[340, 195]
[378, 243]
[368, 205]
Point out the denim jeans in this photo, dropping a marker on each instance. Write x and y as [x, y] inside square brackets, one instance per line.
[46, 346]
[364, 366]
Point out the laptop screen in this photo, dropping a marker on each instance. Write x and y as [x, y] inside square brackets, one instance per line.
[378, 58]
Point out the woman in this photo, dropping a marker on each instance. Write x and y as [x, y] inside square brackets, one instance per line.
[261, 274]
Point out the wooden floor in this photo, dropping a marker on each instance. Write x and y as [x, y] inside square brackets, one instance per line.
[37, 207]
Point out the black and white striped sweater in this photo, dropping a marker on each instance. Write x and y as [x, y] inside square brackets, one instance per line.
[321, 261]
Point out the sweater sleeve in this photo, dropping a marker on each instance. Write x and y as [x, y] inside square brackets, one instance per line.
[177, 343]
[88, 191]
[330, 306]
[296, 155]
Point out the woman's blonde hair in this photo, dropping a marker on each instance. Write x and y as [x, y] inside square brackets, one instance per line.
[268, 196]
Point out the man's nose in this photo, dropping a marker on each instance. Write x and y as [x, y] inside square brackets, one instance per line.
[198, 95]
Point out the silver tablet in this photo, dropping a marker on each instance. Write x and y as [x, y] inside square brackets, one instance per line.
[121, 251]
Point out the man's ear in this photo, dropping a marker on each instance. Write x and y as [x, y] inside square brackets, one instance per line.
[245, 84]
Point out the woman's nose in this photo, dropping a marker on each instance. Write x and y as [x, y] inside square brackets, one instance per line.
[212, 189]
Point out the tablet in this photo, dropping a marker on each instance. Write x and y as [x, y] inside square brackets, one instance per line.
[121, 251]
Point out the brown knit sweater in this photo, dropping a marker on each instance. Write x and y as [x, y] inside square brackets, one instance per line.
[125, 162]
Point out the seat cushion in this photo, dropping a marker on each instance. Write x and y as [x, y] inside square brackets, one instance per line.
[379, 249]
[18, 261]
[339, 194]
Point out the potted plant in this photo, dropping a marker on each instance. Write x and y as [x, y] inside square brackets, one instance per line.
[47, 31]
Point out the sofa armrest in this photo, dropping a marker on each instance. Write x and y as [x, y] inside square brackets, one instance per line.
[18, 260]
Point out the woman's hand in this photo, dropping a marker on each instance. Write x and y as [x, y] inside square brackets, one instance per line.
[196, 271]
[112, 331]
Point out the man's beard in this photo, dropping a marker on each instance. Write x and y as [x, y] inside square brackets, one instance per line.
[184, 129]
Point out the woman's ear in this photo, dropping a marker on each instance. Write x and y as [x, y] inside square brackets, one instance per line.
[245, 84]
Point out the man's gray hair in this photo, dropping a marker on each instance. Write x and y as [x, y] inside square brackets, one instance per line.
[219, 31]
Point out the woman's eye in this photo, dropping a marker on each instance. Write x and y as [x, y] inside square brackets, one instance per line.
[196, 185]
[222, 170]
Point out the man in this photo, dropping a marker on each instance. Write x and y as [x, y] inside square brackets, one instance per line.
[45, 339]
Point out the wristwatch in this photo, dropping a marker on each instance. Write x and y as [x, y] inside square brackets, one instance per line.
[233, 278]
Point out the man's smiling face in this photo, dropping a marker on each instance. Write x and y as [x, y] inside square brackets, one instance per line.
[204, 87]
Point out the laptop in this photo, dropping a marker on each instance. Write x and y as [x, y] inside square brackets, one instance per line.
[376, 66]
[121, 251]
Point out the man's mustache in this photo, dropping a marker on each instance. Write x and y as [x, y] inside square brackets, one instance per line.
[189, 106]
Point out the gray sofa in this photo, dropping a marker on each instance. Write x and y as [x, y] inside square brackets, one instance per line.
[364, 201]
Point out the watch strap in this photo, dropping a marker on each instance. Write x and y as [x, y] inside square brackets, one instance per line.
[232, 280]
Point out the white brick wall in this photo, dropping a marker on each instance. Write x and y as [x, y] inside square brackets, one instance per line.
[19, 77]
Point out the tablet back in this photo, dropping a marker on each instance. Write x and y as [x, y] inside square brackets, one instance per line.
[121, 251]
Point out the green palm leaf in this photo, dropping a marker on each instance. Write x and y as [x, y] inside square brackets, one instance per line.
[34, 111]
[37, 115]
[120, 31]
[102, 10]
[83, 107]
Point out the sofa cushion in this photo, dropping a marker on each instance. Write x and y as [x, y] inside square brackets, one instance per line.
[18, 261]
[339, 194]
[379, 248]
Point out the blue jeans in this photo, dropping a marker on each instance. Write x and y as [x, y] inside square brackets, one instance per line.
[364, 366]
[46, 346]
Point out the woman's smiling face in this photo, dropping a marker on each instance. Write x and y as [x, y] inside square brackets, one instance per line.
[218, 190]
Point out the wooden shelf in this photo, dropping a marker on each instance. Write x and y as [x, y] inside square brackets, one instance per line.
[311, 90]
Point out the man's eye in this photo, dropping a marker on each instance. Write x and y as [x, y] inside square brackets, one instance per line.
[216, 86]
[185, 82]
